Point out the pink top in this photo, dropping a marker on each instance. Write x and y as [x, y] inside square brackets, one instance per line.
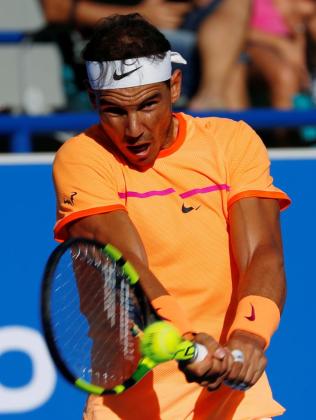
[267, 18]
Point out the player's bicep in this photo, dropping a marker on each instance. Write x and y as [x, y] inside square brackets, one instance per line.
[114, 227]
[254, 224]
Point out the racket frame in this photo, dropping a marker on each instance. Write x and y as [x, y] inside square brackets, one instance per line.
[188, 352]
[144, 365]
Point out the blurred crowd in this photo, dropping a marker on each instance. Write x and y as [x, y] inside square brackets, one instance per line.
[228, 44]
[241, 53]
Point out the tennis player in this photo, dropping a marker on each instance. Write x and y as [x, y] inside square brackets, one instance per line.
[189, 201]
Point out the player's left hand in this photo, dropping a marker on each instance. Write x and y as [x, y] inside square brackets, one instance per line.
[249, 360]
[212, 370]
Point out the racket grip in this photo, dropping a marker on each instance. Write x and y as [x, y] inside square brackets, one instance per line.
[200, 353]
[191, 352]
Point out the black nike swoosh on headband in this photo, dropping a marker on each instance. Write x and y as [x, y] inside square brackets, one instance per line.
[121, 76]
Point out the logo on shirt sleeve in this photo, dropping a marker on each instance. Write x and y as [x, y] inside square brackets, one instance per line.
[70, 200]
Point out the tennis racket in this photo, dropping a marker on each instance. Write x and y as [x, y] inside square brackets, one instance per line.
[94, 313]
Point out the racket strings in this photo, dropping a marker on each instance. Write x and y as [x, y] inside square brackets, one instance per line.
[92, 315]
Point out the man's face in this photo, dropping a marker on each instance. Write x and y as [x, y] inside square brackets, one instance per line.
[138, 120]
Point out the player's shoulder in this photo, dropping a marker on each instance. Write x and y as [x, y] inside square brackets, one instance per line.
[213, 122]
[86, 145]
[220, 130]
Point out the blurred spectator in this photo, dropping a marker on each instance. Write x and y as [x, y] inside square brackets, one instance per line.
[279, 72]
[197, 29]
[311, 47]
[277, 48]
[85, 13]
[221, 42]
[70, 23]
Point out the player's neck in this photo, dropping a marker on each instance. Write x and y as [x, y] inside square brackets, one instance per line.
[172, 133]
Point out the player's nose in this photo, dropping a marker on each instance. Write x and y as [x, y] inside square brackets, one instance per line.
[134, 128]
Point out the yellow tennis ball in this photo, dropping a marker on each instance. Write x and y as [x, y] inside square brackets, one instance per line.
[160, 341]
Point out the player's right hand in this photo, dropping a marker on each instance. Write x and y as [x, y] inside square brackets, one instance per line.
[211, 371]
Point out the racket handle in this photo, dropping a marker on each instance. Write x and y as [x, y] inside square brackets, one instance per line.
[191, 352]
[200, 352]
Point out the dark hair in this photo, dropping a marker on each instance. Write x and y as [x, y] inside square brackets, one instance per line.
[120, 37]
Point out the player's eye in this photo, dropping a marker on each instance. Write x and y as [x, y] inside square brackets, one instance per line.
[113, 110]
[148, 105]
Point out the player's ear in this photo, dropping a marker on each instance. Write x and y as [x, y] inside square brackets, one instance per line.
[175, 85]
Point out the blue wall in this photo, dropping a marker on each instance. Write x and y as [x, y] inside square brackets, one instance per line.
[27, 216]
[292, 355]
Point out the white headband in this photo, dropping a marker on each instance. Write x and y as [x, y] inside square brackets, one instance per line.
[131, 72]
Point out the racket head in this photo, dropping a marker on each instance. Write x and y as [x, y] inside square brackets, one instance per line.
[93, 311]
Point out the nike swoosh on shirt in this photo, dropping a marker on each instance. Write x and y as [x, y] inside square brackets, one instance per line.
[121, 76]
[186, 209]
[252, 316]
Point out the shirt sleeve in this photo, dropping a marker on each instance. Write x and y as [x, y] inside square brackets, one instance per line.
[86, 183]
[248, 168]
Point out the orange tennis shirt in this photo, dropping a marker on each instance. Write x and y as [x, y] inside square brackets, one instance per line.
[180, 208]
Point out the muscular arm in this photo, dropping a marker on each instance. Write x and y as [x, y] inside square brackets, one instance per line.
[257, 248]
[116, 228]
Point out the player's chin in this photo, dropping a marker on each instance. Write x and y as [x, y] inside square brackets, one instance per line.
[142, 162]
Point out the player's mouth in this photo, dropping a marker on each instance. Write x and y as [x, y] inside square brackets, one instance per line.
[140, 150]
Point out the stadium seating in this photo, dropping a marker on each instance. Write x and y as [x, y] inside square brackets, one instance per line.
[26, 67]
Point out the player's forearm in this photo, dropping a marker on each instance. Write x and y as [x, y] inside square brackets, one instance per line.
[261, 296]
[150, 284]
[264, 275]
[256, 243]
[103, 227]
